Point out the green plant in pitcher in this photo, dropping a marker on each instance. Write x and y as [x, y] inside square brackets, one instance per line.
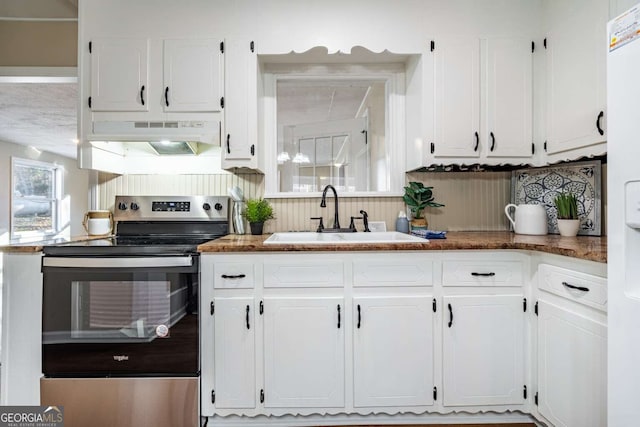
[566, 205]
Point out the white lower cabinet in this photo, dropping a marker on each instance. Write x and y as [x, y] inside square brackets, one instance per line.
[572, 365]
[234, 353]
[304, 352]
[393, 351]
[417, 334]
[483, 350]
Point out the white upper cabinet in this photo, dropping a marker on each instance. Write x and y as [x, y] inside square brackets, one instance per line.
[192, 75]
[119, 80]
[509, 86]
[482, 101]
[483, 348]
[457, 97]
[240, 137]
[576, 44]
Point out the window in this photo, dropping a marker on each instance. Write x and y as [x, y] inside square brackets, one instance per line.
[35, 200]
[334, 119]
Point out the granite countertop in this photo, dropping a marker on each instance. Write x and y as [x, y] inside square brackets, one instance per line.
[37, 246]
[582, 247]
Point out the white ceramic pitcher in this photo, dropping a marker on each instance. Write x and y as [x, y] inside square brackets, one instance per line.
[528, 219]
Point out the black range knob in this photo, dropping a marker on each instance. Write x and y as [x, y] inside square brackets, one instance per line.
[206, 207]
[122, 206]
[218, 207]
[134, 206]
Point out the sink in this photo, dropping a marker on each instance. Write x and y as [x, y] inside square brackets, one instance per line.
[341, 238]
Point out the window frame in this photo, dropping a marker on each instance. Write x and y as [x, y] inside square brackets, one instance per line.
[55, 201]
[393, 74]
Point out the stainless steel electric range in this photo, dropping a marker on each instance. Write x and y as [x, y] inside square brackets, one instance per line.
[120, 327]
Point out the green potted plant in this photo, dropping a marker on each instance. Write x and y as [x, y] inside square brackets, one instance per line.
[257, 211]
[418, 197]
[567, 208]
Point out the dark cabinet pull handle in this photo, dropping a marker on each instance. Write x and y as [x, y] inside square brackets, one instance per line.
[248, 326]
[142, 94]
[580, 288]
[450, 315]
[359, 316]
[600, 131]
[166, 96]
[483, 274]
[338, 316]
[493, 141]
[234, 276]
[228, 146]
[477, 142]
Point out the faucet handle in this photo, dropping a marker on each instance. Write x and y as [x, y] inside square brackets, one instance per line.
[320, 225]
[352, 225]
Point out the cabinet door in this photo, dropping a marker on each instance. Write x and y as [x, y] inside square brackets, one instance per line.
[304, 352]
[192, 75]
[509, 114]
[457, 97]
[119, 74]
[576, 73]
[241, 108]
[483, 345]
[393, 351]
[572, 366]
[234, 353]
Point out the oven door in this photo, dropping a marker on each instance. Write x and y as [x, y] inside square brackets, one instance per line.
[120, 316]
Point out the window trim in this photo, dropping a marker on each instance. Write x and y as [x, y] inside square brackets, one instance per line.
[56, 201]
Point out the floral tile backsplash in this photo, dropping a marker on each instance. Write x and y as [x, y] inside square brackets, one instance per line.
[542, 185]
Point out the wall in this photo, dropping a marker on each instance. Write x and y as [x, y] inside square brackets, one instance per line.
[473, 200]
[42, 44]
[75, 187]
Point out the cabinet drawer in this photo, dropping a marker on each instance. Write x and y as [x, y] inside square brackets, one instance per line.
[233, 275]
[393, 272]
[482, 273]
[318, 274]
[579, 287]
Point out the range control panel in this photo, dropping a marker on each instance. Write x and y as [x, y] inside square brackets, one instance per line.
[171, 208]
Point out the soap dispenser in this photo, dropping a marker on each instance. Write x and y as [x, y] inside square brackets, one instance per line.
[402, 223]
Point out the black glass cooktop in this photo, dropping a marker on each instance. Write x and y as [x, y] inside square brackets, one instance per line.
[144, 239]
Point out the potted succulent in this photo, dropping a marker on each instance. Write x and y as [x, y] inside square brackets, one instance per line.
[257, 211]
[567, 207]
[418, 197]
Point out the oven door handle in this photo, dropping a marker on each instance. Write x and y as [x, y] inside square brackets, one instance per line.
[117, 262]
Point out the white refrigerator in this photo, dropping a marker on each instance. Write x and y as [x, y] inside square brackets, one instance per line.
[623, 223]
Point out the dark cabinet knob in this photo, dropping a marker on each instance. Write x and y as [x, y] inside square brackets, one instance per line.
[134, 206]
[206, 207]
[122, 206]
[217, 207]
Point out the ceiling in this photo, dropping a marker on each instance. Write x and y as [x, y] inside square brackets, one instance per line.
[41, 115]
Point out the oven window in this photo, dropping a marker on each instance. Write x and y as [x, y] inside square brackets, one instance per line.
[122, 310]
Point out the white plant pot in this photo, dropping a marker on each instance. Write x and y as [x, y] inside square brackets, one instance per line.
[568, 227]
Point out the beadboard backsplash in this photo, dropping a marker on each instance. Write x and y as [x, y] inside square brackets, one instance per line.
[473, 200]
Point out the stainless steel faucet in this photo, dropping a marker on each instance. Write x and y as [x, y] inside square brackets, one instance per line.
[323, 204]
